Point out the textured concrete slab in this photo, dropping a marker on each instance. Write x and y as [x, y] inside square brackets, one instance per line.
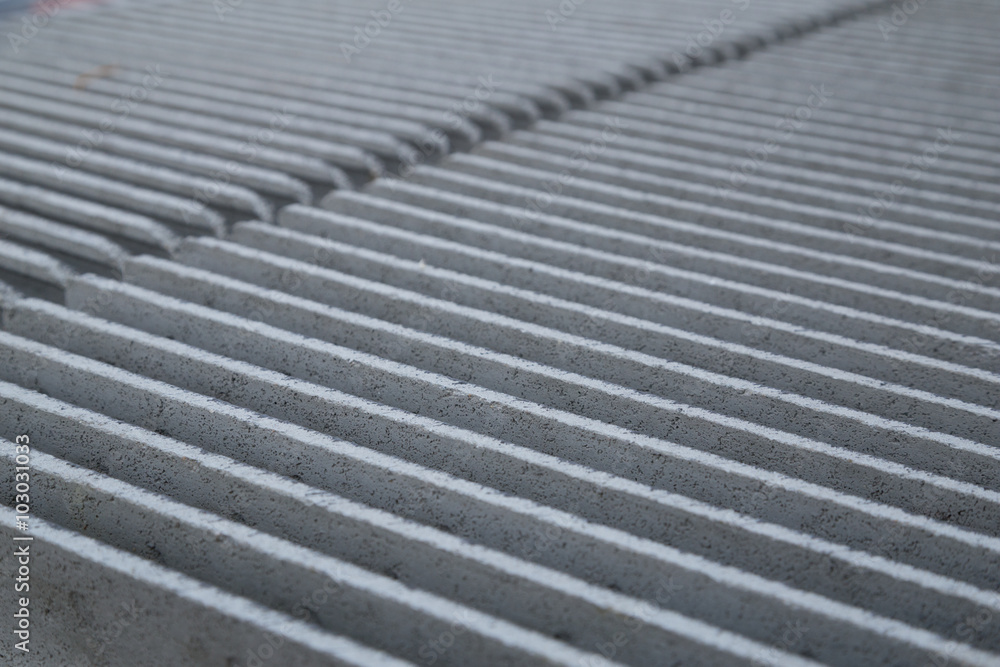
[449, 333]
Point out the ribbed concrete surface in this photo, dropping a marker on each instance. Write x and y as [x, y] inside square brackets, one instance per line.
[645, 358]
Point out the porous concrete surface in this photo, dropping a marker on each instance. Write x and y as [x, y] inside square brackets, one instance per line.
[634, 333]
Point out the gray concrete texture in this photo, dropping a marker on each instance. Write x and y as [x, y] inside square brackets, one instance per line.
[579, 333]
